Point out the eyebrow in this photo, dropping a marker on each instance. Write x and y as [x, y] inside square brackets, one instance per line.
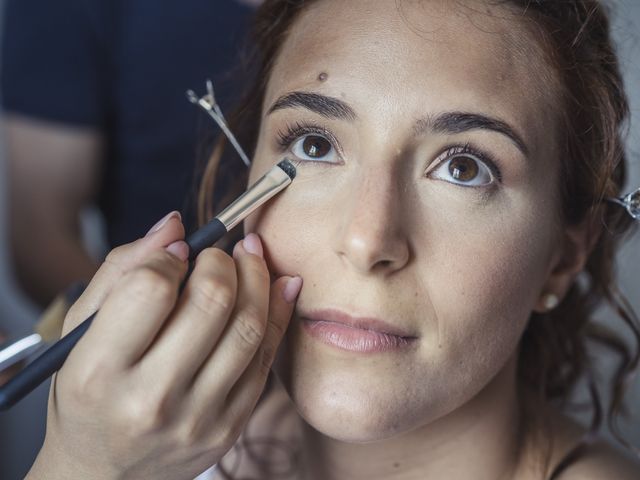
[328, 107]
[458, 122]
[446, 122]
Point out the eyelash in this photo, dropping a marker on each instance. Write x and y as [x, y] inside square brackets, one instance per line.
[293, 132]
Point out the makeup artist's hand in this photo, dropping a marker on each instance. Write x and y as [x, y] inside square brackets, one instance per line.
[162, 384]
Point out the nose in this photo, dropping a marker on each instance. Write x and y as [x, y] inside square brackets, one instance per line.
[371, 237]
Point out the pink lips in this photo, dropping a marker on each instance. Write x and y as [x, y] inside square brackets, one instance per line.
[364, 335]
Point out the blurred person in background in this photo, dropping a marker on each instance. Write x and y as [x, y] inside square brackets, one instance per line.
[93, 94]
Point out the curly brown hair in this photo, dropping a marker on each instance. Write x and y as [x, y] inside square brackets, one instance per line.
[553, 353]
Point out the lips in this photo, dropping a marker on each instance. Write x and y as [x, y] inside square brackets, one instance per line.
[357, 334]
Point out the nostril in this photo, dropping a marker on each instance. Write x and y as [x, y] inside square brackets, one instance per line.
[384, 263]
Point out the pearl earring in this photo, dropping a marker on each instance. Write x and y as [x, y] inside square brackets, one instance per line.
[550, 301]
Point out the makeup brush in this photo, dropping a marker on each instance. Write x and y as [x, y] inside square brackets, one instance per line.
[273, 182]
[46, 331]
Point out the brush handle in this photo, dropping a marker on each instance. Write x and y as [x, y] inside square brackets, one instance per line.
[204, 237]
[274, 181]
[54, 357]
[42, 368]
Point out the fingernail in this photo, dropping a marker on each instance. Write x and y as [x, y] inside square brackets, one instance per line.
[237, 249]
[179, 249]
[292, 289]
[252, 245]
[161, 223]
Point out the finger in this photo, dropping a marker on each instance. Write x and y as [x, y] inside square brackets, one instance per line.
[195, 326]
[119, 261]
[134, 311]
[246, 392]
[245, 330]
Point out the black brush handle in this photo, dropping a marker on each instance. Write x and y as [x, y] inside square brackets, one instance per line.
[204, 237]
[42, 368]
[54, 357]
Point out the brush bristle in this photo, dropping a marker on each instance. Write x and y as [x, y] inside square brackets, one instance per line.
[288, 168]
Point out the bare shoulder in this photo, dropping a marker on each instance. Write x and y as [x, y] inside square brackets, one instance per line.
[600, 461]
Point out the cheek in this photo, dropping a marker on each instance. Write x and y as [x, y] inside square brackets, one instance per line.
[483, 280]
[475, 277]
[296, 225]
[488, 277]
[289, 233]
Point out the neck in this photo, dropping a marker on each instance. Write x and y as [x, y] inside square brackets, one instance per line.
[478, 440]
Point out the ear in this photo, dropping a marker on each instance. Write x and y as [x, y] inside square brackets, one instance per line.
[575, 246]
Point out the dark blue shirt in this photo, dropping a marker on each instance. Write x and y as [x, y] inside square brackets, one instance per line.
[123, 66]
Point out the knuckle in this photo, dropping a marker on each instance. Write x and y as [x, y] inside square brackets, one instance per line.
[189, 435]
[117, 254]
[125, 257]
[114, 266]
[211, 293]
[215, 256]
[149, 285]
[140, 415]
[88, 388]
[250, 327]
[225, 436]
[162, 257]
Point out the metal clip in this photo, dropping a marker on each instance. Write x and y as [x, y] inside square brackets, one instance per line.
[210, 106]
[631, 202]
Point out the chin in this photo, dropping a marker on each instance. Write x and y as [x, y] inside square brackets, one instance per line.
[351, 420]
[348, 408]
[365, 399]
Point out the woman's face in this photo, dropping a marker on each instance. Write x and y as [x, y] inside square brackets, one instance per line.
[424, 200]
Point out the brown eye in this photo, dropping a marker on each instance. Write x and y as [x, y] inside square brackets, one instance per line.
[316, 147]
[463, 168]
[312, 147]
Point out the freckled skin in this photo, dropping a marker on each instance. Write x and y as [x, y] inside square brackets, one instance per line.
[372, 235]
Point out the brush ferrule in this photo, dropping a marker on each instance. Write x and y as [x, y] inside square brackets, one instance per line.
[266, 187]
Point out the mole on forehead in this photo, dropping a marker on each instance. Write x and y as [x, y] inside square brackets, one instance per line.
[323, 76]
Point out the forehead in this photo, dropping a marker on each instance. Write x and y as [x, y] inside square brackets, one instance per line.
[430, 55]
